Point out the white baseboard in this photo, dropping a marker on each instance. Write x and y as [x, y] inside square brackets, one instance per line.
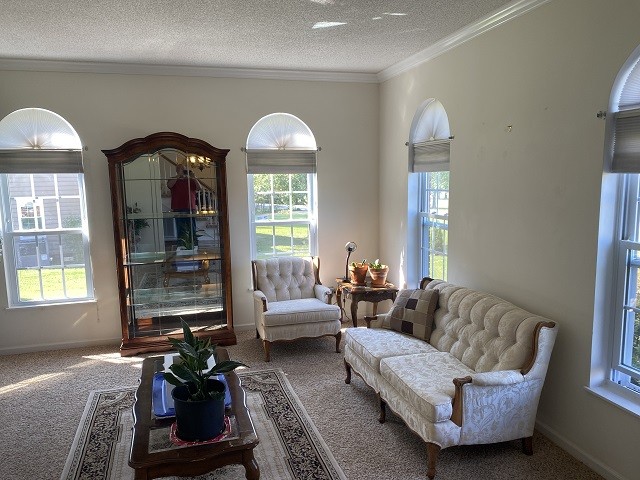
[61, 346]
[578, 453]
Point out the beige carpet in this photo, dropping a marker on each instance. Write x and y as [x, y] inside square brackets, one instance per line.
[42, 398]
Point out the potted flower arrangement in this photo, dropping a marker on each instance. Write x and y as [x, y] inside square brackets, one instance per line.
[378, 273]
[358, 272]
[198, 398]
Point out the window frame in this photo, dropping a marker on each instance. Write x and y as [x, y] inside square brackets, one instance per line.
[427, 220]
[311, 220]
[9, 235]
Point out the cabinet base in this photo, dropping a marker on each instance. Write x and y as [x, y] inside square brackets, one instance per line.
[134, 346]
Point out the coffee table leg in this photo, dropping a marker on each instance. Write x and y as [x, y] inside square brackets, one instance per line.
[252, 471]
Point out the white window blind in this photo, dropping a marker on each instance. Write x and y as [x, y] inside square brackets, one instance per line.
[626, 136]
[281, 143]
[429, 138]
[35, 140]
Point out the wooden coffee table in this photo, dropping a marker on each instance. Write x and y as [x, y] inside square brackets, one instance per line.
[153, 455]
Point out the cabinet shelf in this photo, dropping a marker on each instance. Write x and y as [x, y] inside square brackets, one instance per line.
[160, 281]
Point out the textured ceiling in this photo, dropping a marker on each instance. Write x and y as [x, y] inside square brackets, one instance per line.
[276, 34]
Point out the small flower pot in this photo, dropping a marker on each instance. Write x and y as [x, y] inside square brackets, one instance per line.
[379, 276]
[358, 274]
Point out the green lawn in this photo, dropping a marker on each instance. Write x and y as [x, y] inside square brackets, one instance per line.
[52, 287]
[264, 240]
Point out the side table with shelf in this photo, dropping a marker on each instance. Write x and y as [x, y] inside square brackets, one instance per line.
[363, 294]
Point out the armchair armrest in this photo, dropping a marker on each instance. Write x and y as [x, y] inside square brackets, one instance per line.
[323, 293]
[260, 299]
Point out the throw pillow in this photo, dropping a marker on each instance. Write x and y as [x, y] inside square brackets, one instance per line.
[413, 312]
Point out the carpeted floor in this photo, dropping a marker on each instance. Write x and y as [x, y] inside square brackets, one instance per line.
[42, 397]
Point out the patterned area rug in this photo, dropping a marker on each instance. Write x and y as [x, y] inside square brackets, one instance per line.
[290, 446]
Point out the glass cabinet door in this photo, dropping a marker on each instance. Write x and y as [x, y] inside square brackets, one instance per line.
[169, 210]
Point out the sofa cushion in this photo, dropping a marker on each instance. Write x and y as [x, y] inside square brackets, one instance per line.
[412, 313]
[374, 344]
[425, 381]
[305, 310]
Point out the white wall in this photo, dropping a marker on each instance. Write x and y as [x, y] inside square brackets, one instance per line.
[525, 204]
[107, 110]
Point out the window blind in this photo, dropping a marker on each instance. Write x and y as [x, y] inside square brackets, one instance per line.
[40, 161]
[626, 142]
[280, 161]
[429, 156]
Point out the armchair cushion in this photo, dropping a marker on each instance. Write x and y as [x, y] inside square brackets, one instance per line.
[305, 310]
[412, 312]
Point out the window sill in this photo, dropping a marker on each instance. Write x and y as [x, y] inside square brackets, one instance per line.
[53, 304]
[621, 397]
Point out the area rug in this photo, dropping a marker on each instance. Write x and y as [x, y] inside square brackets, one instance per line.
[290, 445]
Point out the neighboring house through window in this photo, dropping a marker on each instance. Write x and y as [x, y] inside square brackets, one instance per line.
[281, 165]
[429, 142]
[616, 344]
[44, 226]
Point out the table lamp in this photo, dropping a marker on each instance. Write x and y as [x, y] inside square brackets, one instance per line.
[349, 247]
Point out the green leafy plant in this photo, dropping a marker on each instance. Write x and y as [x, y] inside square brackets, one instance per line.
[363, 263]
[194, 354]
[139, 223]
[376, 265]
[187, 239]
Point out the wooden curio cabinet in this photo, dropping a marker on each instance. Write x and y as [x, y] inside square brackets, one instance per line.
[171, 232]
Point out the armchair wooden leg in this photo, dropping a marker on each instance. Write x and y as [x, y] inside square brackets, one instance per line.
[347, 367]
[383, 409]
[267, 350]
[338, 338]
[257, 333]
[527, 445]
[432, 457]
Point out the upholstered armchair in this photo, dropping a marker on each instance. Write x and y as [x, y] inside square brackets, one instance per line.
[291, 303]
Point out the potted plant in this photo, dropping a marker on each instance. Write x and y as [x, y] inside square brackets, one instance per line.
[187, 243]
[198, 398]
[358, 272]
[378, 273]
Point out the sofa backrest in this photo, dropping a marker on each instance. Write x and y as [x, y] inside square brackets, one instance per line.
[484, 332]
[285, 278]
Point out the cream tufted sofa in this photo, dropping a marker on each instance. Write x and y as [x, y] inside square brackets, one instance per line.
[291, 303]
[477, 380]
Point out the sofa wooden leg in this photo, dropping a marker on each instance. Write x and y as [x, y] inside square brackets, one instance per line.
[383, 409]
[432, 457]
[267, 350]
[527, 445]
[338, 338]
[347, 367]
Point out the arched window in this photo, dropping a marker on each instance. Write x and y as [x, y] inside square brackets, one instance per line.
[44, 225]
[617, 324]
[281, 167]
[429, 142]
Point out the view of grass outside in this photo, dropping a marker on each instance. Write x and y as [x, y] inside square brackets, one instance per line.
[52, 286]
[282, 240]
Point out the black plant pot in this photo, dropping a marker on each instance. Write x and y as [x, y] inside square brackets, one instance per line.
[200, 420]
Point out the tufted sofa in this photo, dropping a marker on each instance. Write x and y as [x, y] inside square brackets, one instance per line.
[476, 380]
[291, 303]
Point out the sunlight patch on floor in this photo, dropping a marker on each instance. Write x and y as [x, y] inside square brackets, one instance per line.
[29, 381]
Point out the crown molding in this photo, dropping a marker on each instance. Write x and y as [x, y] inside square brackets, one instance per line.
[183, 71]
[504, 14]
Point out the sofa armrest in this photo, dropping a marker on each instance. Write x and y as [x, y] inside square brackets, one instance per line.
[323, 293]
[503, 377]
